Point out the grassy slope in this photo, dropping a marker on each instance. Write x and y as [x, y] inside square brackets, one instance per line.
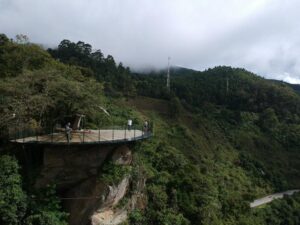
[232, 174]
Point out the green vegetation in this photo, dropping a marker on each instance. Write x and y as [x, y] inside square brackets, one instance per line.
[11, 192]
[223, 137]
[286, 211]
[18, 207]
[45, 208]
[113, 173]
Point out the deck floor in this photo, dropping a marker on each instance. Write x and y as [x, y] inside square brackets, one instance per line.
[87, 136]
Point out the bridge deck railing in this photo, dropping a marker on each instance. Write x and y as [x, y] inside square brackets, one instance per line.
[55, 135]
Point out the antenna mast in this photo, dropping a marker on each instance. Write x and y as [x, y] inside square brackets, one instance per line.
[227, 85]
[168, 74]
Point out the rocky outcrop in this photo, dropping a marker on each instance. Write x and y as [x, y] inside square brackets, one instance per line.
[122, 156]
[98, 204]
[109, 217]
[138, 198]
[106, 213]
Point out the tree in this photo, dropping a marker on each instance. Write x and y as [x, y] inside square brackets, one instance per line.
[97, 56]
[175, 107]
[22, 39]
[3, 39]
[12, 197]
[45, 209]
[268, 120]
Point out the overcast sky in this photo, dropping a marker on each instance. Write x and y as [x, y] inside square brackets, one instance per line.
[262, 36]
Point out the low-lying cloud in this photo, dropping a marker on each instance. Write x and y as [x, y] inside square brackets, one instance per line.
[260, 35]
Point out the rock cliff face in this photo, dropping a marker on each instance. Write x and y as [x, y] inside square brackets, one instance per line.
[108, 213]
[76, 170]
[67, 166]
[105, 214]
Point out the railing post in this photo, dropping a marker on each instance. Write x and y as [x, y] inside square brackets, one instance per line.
[52, 130]
[152, 128]
[83, 134]
[37, 135]
[99, 134]
[134, 132]
[16, 132]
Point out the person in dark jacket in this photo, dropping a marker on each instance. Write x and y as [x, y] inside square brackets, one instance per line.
[68, 131]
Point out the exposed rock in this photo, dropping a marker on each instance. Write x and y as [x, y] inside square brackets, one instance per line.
[138, 199]
[109, 217]
[105, 214]
[116, 193]
[122, 156]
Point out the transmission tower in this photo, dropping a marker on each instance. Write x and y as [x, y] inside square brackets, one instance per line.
[168, 74]
[227, 85]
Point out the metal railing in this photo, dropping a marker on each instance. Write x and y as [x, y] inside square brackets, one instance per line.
[54, 135]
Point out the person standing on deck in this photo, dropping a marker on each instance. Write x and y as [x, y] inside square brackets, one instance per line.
[68, 131]
[129, 124]
[146, 125]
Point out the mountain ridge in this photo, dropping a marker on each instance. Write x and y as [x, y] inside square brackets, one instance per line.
[222, 137]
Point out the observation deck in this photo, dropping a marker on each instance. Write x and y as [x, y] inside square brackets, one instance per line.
[80, 137]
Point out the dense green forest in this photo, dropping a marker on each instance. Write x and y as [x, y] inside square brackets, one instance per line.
[223, 137]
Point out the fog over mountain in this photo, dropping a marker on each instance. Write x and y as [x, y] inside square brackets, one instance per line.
[260, 35]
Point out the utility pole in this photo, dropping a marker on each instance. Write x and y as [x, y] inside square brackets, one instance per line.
[168, 74]
[227, 85]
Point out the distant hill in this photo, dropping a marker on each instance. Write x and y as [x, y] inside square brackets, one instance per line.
[295, 87]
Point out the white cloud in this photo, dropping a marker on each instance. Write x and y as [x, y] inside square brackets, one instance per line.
[259, 35]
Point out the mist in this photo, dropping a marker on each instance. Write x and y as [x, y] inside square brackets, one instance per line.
[259, 35]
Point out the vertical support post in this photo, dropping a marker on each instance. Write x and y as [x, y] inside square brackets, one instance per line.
[23, 134]
[52, 133]
[83, 127]
[37, 135]
[99, 134]
[19, 133]
[16, 132]
[125, 133]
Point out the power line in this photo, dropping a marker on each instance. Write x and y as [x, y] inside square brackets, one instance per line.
[71, 198]
[81, 198]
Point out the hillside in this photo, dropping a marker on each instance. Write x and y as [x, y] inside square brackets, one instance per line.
[222, 137]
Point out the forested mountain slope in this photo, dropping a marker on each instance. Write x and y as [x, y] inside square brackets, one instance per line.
[223, 137]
